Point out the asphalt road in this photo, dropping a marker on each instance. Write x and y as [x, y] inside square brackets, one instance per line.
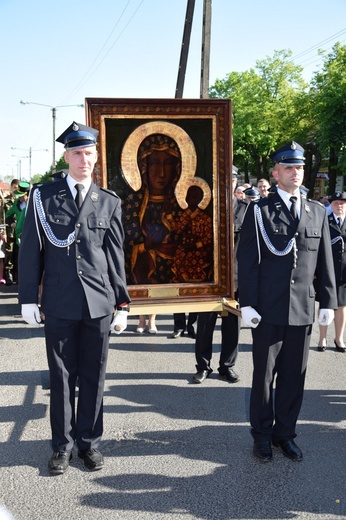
[173, 450]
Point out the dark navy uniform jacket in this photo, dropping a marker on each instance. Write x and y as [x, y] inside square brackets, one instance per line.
[338, 248]
[281, 288]
[93, 265]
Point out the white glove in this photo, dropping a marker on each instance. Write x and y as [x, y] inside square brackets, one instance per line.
[250, 317]
[325, 317]
[31, 314]
[119, 322]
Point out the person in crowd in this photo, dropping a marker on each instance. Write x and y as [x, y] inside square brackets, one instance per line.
[73, 239]
[230, 323]
[239, 210]
[324, 200]
[11, 267]
[142, 324]
[239, 192]
[326, 203]
[263, 187]
[182, 324]
[230, 326]
[284, 242]
[337, 228]
[2, 238]
[17, 212]
[251, 194]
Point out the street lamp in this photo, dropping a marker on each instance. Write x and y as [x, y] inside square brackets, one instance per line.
[30, 154]
[53, 109]
[19, 164]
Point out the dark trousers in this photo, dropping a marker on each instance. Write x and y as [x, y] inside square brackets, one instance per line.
[76, 349]
[11, 258]
[230, 327]
[180, 320]
[280, 351]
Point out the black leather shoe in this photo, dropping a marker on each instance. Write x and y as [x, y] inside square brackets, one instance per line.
[9, 278]
[201, 376]
[59, 462]
[93, 459]
[339, 348]
[263, 451]
[289, 449]
[176, 334]
[230, 375]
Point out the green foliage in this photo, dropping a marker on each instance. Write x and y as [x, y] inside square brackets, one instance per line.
[46, 177]
[272, 104]
[328, 92]
[328, 95]
[266, 103]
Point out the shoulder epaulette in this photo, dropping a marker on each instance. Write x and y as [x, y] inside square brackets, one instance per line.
[316, 202]
[111, 192]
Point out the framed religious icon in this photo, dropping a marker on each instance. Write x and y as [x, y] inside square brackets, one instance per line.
[170, 161]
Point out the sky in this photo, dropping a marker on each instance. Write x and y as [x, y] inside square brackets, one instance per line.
[57, 54]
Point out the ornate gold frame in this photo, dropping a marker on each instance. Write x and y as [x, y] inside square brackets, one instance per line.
[203, 125]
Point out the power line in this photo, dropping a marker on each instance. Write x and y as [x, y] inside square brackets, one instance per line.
[104, 45]
[90, 72]
[317, 45]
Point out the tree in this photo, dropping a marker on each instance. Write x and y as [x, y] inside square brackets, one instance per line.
[46, 177]
[267, 106]
[328, 94]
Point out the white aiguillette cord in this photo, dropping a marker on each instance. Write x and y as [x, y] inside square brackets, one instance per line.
[67, 242]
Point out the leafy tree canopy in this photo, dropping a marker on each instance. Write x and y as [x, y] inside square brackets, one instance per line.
[46, 177]
[267, 106]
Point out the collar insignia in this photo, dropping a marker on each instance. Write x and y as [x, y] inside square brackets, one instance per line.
[307, 208]
[94, 196]
[62, 194]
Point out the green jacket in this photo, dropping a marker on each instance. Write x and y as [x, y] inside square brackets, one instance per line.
[19, 213]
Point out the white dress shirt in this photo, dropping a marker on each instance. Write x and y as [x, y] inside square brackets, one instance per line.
[72, 182]
[286, 198]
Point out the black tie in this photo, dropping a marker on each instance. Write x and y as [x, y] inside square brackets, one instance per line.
[293, 209]
[339, 222]
[79, 197]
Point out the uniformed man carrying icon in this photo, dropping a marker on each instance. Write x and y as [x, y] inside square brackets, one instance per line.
[284, 242]
[72, 241]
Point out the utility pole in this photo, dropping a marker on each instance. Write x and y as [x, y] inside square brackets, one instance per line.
[54, 122]
[185, 49]
[205, 62]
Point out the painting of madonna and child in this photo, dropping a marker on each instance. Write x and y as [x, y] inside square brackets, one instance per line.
[165, 172]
